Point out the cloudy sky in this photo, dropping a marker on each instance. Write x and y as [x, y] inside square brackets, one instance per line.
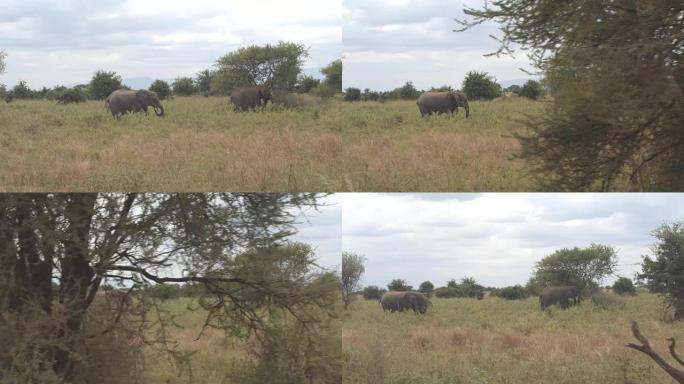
[389, 42]
[63, 42]
[322, 229]
[495, 238]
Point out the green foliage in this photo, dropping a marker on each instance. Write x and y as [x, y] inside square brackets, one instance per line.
[273, 66]
[531, 89]
[103, 83]
[583, 267]
[480, 86]
[369, 95]
[470, 288]
[407, 92]
[70, 96]
[399, 285]
[624, 286]
[426, 287]
[22, 91]
[162, 89]
[663, 270]
[516, 89]
[515, 292]
[203, 81]
[184, 86]
[448, 292]
[352, 94]
[307, 83]
[333, 76]
[352, 270]
[372, 292]
[614, 70]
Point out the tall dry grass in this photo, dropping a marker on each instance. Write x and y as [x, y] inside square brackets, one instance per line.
[498, 341]
[200, 145]
[203, 145]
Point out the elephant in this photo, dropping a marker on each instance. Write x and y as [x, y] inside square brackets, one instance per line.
[442, 102]
[250, 98]
[563, 296]
[123, 100]
[401, 301]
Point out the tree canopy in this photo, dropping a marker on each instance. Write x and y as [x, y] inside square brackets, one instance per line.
[103, 83]
[480, 86]
[663, 271]
[162, 88]
[614, 70]
[273, 66]
[399, 285]
[583, 267]
[352, 270]
[58, 250]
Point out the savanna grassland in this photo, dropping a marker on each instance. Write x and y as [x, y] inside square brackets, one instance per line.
[201, 144]
[498, 341]
[389, 147]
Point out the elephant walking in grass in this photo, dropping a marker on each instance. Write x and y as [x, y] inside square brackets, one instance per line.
[442, 102]
[122, 101]
[250, 98]
[563, 296]
[402, 301]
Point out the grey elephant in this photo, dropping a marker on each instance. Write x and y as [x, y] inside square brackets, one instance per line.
[250, 98]
[123, 100]
[564, 296]
[394, 301]
[442, 102]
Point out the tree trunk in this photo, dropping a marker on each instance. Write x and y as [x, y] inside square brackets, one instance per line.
[76, 279]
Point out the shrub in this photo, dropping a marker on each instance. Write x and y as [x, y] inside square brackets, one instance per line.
[516, 292]
[72, 95]
[103, 83]
[399, 285]
[184, 86]
[624, 286]
[352, 94]
[372, 292]
[480, 86]
[296, 100]
[531, 90]
[427, 288]
[162, 88]
[448, 292]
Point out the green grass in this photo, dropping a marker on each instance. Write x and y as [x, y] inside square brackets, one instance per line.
[203, 145]
[497, 341]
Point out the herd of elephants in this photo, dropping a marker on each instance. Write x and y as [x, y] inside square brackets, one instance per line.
[252, 98]
[400, 301]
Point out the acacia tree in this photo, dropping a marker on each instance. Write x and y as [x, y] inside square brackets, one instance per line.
[103, 83]
[352, 269]
[664, 273]
[614, 69]
[273, 66]
[58, 250]
[583, 267]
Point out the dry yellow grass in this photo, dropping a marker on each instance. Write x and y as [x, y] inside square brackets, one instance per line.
[202, 145]
[498, 341]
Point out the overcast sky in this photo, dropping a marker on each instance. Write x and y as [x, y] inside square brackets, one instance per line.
[63, 42]
[322, 230]
[497, 237]
[389, 42]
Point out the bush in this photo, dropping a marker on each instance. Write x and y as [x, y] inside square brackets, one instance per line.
[72, 95]
[531, 90]
[352, 94]
[184, 86]
[607, 300]
[480, 86]
[296, 100]
[399, 285]
[427, 288]
[624, 286]
[448, 292]
[516, 292]
[372, 292]
[162, 89]
[103, 83]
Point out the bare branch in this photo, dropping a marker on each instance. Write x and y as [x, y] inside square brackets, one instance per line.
[645, 347]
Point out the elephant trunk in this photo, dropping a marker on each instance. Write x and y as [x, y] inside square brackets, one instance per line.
[159, 111]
